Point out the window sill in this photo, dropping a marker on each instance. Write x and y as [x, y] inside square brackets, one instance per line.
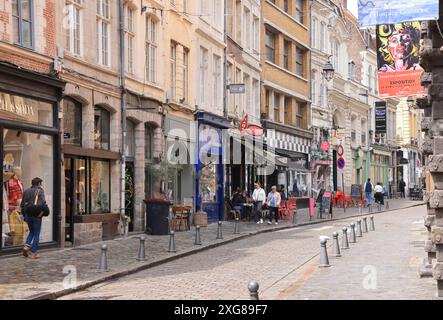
[96, 217]
[287, 71]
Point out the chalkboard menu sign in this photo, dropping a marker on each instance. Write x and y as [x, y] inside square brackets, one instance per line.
[326, 202]
[356, 191]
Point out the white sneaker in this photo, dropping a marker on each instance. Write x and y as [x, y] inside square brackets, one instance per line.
[269, 222]
[276, 223]
[261, 221]
[258, 222]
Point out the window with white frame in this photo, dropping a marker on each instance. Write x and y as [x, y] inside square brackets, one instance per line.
[74, 30]
[314, 32]
[299, 10]
[247, 27]
[300, 61]
[151, 49]
[256, 34]
[323, 37]
[256, 97]
[173, 66]
[103, 32]
[313, 87]
[370, 84]
[247, 95]
[216, 81]
[185, 68]
[130, 36]
[216, 9]
[203, 73]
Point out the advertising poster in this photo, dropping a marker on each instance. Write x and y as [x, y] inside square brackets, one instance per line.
[375, 12]
[397, 59]
[380, 117]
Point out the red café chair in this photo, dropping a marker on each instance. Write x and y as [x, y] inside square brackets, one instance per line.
[291, 207]
[339, 198]
[282, 210]
[348, 200]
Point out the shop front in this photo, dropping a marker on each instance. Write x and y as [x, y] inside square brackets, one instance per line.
[29, 147]
[209, 165]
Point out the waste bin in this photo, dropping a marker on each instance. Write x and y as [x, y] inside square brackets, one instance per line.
[157, 216]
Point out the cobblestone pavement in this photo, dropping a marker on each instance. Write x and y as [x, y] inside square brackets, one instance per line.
[285, 264]
[59, 271]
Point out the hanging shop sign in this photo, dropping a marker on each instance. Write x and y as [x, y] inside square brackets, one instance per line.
[255, 131]
[398, 56]
[380, 117]
[244, 124]
[325, 145]
[371, 13]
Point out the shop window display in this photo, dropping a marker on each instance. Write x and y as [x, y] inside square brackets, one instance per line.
[208, 183]
[100, 186]
[26, 156]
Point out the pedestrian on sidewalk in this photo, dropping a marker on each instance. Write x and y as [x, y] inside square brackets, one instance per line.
[34, 208]
[274, 200]
[379, 194]
[402, 186]
[369, 187]
[259, 197]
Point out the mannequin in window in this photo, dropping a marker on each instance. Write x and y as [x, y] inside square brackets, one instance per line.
[17, 224]
[5, 211]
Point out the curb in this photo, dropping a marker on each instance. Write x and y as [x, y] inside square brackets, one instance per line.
[118, 274]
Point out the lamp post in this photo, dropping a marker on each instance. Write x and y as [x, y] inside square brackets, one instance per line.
[328, 74]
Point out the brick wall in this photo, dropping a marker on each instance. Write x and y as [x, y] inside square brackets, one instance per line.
[4, 22]
[25, 62]
[49, 32]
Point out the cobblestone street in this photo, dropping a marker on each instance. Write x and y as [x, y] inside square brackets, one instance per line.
[285, 264]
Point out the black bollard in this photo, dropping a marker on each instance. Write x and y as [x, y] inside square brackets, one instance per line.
[237, 226]
[198, 241]
[219, 231]
[172, 242]
[253, 290]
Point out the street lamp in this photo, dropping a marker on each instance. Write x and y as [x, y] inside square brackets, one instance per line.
[328, 70]
[410, 103]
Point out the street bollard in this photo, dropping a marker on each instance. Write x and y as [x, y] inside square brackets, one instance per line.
[237, 226]
[141, 250]
[360, 208]
[371, 224]
[379, 207]
[353, 238]
[387, 205]
[198, 241]
[335, 245]
[253, 290]
[219, 231]
[365, 225]
[324, 260]
[294, 217]
[103, 267]
[345, 242]
[359, 232]
[172, 242]
[370, 208]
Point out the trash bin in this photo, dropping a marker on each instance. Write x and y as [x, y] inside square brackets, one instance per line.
[157, 216]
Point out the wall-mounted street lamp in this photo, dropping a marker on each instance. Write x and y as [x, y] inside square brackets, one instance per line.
[328, 70]
[411, 103]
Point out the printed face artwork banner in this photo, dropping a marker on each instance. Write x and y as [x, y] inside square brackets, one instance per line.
[397, 59]
[375, 12]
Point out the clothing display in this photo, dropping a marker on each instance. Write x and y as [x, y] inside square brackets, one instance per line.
[15, 192]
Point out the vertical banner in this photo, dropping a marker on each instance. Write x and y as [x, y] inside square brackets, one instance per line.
[374, 12]
[380, 117]
[397, 60]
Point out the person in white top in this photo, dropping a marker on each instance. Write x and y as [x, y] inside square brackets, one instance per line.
[379, 193]
[259, 197]
[274, 200]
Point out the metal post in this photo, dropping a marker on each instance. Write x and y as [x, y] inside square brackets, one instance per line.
[198, 241]
[365, 224]
[379, 207]
[294, 217]
[387, 205]
[359, 232]
[141, 250]
[253, 290]
[343, 186]
[335, 245]
[324, 260]
[360, 208]
[219, 231]
[353, 238]
[172, 242]
[371, 224]
[237, 226]
[345, 242]
[103, 267]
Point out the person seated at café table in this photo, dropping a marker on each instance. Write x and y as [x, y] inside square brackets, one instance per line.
[282, 193]
[238, 199]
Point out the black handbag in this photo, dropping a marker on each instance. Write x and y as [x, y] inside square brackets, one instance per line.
[35, 210]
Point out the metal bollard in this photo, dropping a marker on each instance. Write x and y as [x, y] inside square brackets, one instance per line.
[360, 208]
[253, 290]
[372, 225]
[324, 260]
[219, 231]
[353, 238]
[335, 245]
[379, 207]
[172, 242]
[294, 217]
[198, 241]
[359, 232]
[345, 242]
[103, 267]
[237, 226]
[141, 250]
[387, 205]
[365, 225]
[370, 208]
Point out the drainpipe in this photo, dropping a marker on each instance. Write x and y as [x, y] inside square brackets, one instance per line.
[123, 217]
[225, 61]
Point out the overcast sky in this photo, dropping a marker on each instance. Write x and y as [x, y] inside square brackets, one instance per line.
[353, 7]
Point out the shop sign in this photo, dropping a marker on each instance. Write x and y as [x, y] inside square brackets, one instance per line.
[237, 88]
[404, 161]
[325, 145]
[380, 117]
[255, 131]
[15, 105]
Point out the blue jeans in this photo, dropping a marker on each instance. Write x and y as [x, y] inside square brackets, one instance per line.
[240, 208]
[35, 226]
[368, 198]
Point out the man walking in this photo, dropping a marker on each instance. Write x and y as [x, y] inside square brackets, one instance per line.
[259, 197]
[274, 200]
[402, 188]
[368, 192]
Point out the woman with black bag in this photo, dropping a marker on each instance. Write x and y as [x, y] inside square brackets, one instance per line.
[34, 208]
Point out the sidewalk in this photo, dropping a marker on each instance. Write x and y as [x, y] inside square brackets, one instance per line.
[60, 272]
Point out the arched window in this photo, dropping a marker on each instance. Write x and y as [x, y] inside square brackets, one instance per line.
[72, 122]
[102, 124]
